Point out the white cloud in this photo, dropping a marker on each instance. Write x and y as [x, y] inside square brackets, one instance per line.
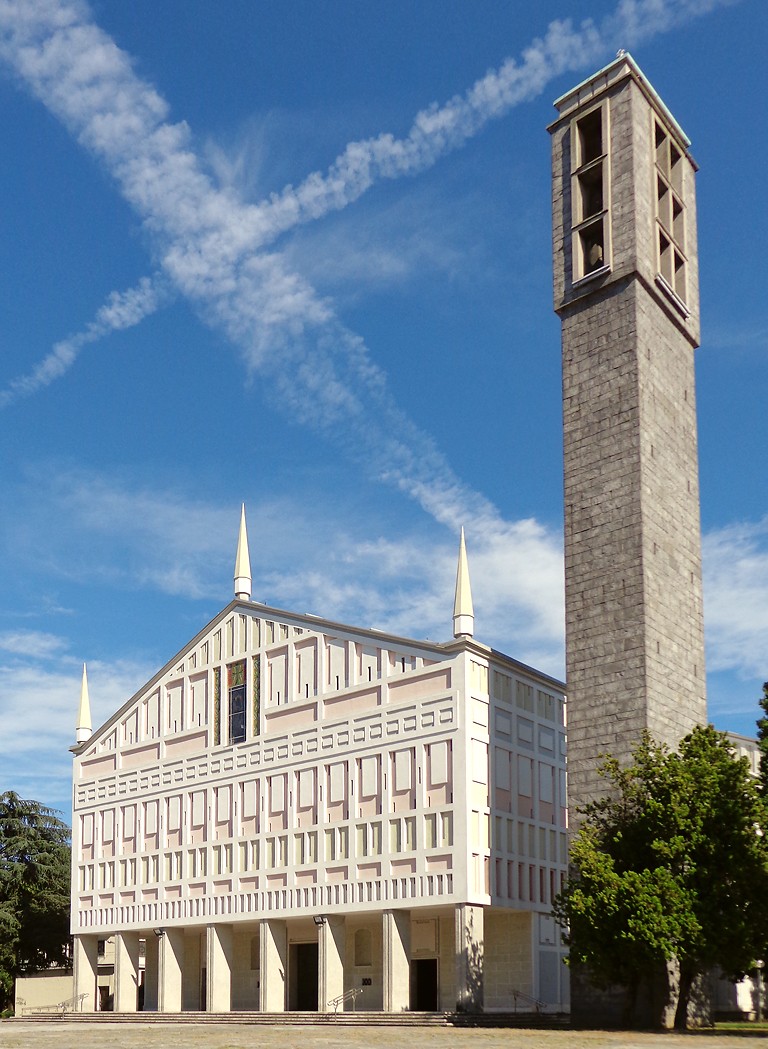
[211, 247]
[404, 586]
[736, 598]
[31, 643]
[735, 338]
[39, 694]
[107, 530]
[39, 704]
[167, 541]
[129, 535]
[208, 239]
[207, 236]
[394, 245]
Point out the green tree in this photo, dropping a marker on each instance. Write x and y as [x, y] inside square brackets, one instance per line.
[34, 890]
[670, 867]
[762, 740]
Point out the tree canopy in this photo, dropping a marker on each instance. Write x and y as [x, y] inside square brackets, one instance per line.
[34, 889]
[762, 739]
[670, 866]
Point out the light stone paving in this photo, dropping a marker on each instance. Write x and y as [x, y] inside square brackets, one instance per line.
[58, 1035]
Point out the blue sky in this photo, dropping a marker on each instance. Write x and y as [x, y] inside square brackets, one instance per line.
[298, 255]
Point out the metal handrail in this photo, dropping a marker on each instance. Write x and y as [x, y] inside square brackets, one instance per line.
[349, 996]
[69, 1005]
[528, 999]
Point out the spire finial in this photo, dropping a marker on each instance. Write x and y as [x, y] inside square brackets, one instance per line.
[242, 562]
[463, 612]
[83, 729]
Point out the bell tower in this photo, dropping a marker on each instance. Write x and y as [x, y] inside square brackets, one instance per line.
[626, 291]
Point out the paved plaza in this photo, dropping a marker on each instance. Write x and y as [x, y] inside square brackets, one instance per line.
[58, 1035]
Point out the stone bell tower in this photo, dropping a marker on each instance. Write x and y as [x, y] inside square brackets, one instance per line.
[626, 290]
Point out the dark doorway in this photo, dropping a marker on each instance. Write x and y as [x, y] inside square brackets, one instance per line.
[302, 991]
[424, 997]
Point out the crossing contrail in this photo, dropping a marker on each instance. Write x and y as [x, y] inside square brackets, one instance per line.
[219, 252]
[122, 310]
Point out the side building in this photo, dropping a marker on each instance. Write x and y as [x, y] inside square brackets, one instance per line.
[296, 814]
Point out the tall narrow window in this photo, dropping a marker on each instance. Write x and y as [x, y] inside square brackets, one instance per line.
[589, 193]
[216, 706]
[256, 693]
[237, 701]
[670, 213]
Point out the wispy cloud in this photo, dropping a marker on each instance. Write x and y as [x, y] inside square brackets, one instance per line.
[212, 246]
[403, 585]
[398, 242]
[441, 128]
[31, 643]
[33, 693]
[184, 546]
[168, 541]
[734, 338]
[123, 309]
[129, 534]
[735, 588]
[178, 544]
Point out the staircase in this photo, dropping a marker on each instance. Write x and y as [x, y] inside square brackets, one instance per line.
[294, 1019]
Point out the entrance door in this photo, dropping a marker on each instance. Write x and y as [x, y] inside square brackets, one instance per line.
[424, 998]
[302, 991]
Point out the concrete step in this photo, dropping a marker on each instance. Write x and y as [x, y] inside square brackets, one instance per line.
[409, 1019]
[378, 1019]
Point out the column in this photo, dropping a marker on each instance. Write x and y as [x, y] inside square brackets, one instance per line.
[126, 971]
[170, 970]
[332, 950]
[397, 958]
[85, 966]
[218, 954]
[273, 949]
[469, 958]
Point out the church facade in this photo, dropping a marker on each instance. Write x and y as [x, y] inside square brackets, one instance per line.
[299, 814]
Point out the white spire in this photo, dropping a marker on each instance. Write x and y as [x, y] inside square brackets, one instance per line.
[83, 728]
[463, 613]
[242, 562]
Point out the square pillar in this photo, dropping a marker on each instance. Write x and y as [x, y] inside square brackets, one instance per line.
[332, 951]
[273, 950]
[469, 958]
[170, 970]
[219, 958]
[397, 960]
[85, 969]
[126, 972]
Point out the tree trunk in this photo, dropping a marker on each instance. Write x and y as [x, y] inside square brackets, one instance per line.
[669, 978]
[630, 1003]
[686, 983]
